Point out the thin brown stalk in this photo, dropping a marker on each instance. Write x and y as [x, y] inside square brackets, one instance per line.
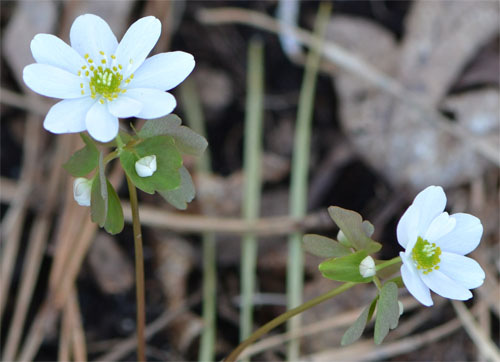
[139, 272]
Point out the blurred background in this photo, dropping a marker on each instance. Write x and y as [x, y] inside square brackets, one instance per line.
[414, 103]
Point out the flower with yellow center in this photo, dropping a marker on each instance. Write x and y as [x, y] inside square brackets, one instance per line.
[435, 244]
[101, 80]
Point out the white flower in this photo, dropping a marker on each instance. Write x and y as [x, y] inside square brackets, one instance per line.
[367, 267]
[146, 166]
[435, 244]
[81, 191]
[100, 80]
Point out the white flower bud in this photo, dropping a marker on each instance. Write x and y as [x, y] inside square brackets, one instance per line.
[146, 166]
[343, 239]
[367, 267]
[81, 191]
[401, 307]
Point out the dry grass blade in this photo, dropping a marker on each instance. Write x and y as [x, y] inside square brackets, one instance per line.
[485, 345]
[352, 64]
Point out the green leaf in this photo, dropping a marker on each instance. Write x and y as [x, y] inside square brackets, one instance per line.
[398, 280]
[114, 218]
[368, 228]
[322, 246]
[168, 162]
[387, 311]
[356, 330]
[345, 269]
[98, 205]
[183, 194]
[83, 161]
[186, 140]
[351, 224]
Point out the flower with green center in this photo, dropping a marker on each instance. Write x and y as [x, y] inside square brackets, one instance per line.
[435, 244]
[101, 80]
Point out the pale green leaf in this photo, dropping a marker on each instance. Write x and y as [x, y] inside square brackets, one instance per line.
[356, 330]
[351, 224]
[325, 247]
[186, 140]
[387, 311]
[114, 218]
[182, 195]
[98, 205]
[83, 161]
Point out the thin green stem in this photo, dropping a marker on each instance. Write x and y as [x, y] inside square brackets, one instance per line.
[388, 263]
[299, 173]
[252, 184]
[194, 115]
[286, 316]
[139, 272]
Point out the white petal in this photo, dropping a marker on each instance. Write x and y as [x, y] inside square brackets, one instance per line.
[68, 116]
[163, 71]
[464, 270]
[137, 42]
[124, 107]
[90, 34]
[101, 124]
[49, 49]
[407, 227]
[440, 226]
[412, 281]
[429, 204]
[464, 237]
[155, 103]
[446, 287]
[50, 81]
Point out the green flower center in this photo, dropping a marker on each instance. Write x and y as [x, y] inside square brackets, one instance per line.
[426, 255]
[105, 80]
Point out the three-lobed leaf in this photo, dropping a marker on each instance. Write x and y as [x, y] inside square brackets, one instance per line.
[83, 161]
[357, 232]
[325, 247]
[168, 161]
[387, 311]
[186, 140]
[182, 195]
[345, 269]
[356, 330]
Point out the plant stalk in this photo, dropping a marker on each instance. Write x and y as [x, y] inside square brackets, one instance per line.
[139, 272]
[286, 316]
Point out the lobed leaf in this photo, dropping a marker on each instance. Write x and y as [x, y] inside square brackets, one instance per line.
[387, 311]
[98, 205]
[182, 195]
[114, 218]
[83, 161]
[186, 140]
[168, 161]
[356, 330]
[351, 224]
[345, 269]
[325, 247]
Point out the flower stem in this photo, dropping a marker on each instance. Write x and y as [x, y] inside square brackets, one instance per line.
[286, 316]
[139, 272]
[388, 263]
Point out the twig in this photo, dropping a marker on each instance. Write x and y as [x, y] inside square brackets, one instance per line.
[352, 64]
[482, 342]
[79, 347]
